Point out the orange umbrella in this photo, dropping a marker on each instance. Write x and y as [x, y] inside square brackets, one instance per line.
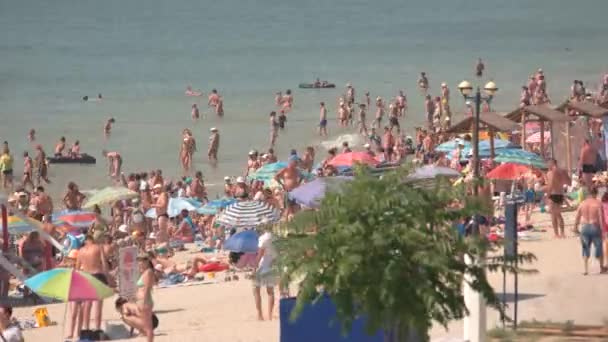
[351, 158]
[509, 171]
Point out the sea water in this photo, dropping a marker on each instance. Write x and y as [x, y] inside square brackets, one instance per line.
[142, 54]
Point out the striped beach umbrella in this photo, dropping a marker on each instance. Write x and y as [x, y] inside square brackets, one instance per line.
[521, 157]
[214, 206]
[75, 218]
[248, 214]
[18, 226]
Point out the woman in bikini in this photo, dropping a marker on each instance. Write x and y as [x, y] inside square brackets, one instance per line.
[144, 301]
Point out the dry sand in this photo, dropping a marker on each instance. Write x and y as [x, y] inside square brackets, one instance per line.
[225, 311]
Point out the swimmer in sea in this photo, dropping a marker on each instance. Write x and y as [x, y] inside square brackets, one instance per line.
[99, 97]
[190, 92]
[379, 112]
[213, 98]
[323, 120]
[195, 112]
[32, 135]
[368, 102]
[60, 147]
[219, 108]
[287, 101]
[479, 68]
[85, 98]
[278, 98]
[423, 82]
[282, 119]
[108, 126]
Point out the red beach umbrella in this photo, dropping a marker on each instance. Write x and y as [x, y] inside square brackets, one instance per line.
[351, 158]
[509, 171]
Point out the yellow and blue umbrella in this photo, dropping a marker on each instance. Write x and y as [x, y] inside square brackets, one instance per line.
[110, 195]
[16, 225]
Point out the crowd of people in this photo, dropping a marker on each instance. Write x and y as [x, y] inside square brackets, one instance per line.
[159, 236]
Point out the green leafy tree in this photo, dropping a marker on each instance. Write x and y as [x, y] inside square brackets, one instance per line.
[385, 249]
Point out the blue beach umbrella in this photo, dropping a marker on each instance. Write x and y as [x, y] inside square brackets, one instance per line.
[311, 194]
[212, 207]
[243, 242]
[267, 172]
[521, 157]
[176, 205]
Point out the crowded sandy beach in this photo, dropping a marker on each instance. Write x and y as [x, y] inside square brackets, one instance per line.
[163, 250]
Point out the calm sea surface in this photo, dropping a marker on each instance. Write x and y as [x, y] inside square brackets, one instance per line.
[141, 54]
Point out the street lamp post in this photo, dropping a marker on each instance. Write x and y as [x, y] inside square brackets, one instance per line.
[475, 322]
[466, 89]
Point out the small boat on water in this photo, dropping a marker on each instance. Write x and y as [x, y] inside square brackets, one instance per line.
[320, 85]
[83, 159]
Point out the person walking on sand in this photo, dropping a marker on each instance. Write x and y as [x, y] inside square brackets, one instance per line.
[264, 275]
[322, 120]
[556, 179]
[91, 259]
[590, 215]
[587, 163]
[214, 145]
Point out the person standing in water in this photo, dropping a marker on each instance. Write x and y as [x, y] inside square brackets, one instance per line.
[31, 135]
[114, 163]
[361, 120]
[187, 149]
[219, 109]
[41, 166]
[195, 112]
[322, 120]
[287, 101]
[28, 171]
[214, 145]
[350, 94]
[274, 128]
[379, 112]
[479, 68]
[401, 103]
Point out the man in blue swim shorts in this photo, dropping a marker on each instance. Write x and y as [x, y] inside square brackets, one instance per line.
[590, 216]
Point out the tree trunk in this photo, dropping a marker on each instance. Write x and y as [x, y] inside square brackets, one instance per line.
[406, 334]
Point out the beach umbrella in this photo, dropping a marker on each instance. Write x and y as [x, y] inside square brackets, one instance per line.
[451, 145]
[176, 205]
[67, 284]
[248, 214]
[242, 242]
[431, 172]
[75, 218]
[267, 172]
[535, 138]
[214, 206]
[16, 226]
[110, 195]
[352, 158]
[310, 194]
[521, 157]
[508, 171]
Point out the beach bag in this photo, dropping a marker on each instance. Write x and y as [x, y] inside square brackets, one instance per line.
[42, 317]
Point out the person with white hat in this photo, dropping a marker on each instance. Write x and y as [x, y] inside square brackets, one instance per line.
[228, 187]
[253, 163]
[241, 190]
[214, 144]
